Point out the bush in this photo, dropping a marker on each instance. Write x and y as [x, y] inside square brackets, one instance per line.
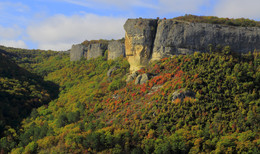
[116, 84]
[31, 148]
[73, 116]
[62, 120]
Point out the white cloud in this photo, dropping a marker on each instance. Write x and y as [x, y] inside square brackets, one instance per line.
[60, 32]
[9, 33]
[13, 43]
[9, 36]
[238, 8]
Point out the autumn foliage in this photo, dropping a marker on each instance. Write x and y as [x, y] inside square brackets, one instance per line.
[96, 113]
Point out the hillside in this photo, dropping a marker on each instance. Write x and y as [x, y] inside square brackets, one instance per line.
[20, 92]
[199, 103]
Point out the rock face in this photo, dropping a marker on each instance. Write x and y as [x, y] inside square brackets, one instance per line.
[116, 49]
[180, 37]
[92, 51]
[77, 52]
[96, 50]
[147, 40]
[139, 38]
[150, 39]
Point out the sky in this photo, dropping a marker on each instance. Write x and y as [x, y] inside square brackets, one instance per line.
[57, 24]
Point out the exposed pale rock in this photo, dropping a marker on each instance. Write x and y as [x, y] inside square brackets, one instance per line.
[116, 49]
[145, 78]
[181, 37]
[77, 52]
[181, 94]
[139, 37]
[96, 50]
[138, 79]
[150, 39]
[131, 77]
[142, 78]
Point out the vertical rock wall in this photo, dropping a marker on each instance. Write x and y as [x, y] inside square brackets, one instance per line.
[139, 37]
[96, 50]
[116, 49]
[77, 52]
[152, 39]
[149, 39]
[180, 37]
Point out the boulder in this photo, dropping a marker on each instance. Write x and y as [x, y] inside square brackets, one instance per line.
[139, 38]
[77, 52]
[116, 49]
[145, 78]
[181, 94]
[131, 77]
[138, 79]
[142, 78]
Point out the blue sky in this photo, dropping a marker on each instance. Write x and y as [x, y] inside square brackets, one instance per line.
[57, 24]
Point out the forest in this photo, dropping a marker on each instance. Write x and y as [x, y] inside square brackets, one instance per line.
[52, 105]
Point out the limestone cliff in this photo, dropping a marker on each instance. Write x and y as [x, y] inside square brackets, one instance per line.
[150, 39]
[96, 50]
[180, 37]
[139, 38]
[77, 51]
[116, 49]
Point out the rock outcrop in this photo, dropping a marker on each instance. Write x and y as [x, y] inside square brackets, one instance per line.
[116, 49]
[180, 37]
[142, 78]
[131, 77]
[181, 94]
[96, 50]
[139, 38]
[77, 52]
[149, 39]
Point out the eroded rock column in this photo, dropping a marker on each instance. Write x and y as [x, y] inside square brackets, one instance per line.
[139, 38]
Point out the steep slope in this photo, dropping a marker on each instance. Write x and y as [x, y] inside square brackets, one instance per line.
[20, 91]
[197, 103]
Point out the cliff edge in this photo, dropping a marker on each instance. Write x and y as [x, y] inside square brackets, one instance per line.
[152, 39]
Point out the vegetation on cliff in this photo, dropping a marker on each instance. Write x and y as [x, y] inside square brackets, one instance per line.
[96, 113]
[224, 21]
[101, 41]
